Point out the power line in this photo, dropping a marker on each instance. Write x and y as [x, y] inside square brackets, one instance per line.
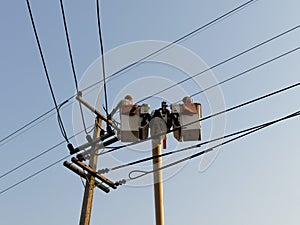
[205, 118]
[230, 109]
[27, 125]
[269, 40]
[113, 149]
[255, 129]
[60, 122]
[69, 44]
[248, 70]
[102, 58]
[185, 148]
[223, 62]
[72, 62]
[208, 117]
[27, 128]
[139, 142]
[33, 175]
[144, 58]
[179, 40]
[39, 155]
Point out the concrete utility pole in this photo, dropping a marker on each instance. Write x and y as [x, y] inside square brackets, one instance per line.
[90, 181]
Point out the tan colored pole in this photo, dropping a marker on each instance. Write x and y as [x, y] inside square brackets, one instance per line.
[158, 185]
[90, 181]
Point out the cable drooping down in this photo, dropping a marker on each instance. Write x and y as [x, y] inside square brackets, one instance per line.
[102, 60]
[60, 122]
[144, 173]
[72, 63]
[250, 131]
[208, 117]
[179, 40]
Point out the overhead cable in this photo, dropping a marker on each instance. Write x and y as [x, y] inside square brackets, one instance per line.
[207, 117]
[140, 61]
[179, 40]
[60, 122]
[102, 60]
[72, 63]
[257, 128]
[195, 155]
[39, 155]
[33, 175]
[223, 62]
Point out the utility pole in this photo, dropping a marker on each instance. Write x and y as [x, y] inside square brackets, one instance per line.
[156, 128]
[160, 122]
[158, 185]
[90, 181]
[88, 172]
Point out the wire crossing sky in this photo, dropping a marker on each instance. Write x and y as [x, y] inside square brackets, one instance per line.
[249, 131]
[251, 48]
[131, 65]
[202, 72]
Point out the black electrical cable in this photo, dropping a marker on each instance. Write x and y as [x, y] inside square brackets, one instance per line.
[231, 78]
[222, 62]
[101, 52]
[39, 155]
[134, 64]
[119, 147]
[102, 60]
[179, 40]
[61, 126]
[182, 149]
[72, 63]
[248, 70]
[230, 109]
[208, 117]
[33, 175]
[27, 126]
[62, 159]
[144, 173]
[113, 148]
[203, 143]
[16, 132]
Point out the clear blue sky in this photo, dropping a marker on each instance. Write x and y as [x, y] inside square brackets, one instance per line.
[252, 181]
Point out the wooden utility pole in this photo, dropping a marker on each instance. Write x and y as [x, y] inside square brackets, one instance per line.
[90, 181]
[158, 185]
[156, 128]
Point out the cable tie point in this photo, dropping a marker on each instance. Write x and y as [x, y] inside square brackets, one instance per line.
[71, 149]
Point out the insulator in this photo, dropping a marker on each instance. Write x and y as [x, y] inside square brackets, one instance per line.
[71, 149]
[120, 182]
[123, 181]
[102, 171]
[89, 138]
[80, 157]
